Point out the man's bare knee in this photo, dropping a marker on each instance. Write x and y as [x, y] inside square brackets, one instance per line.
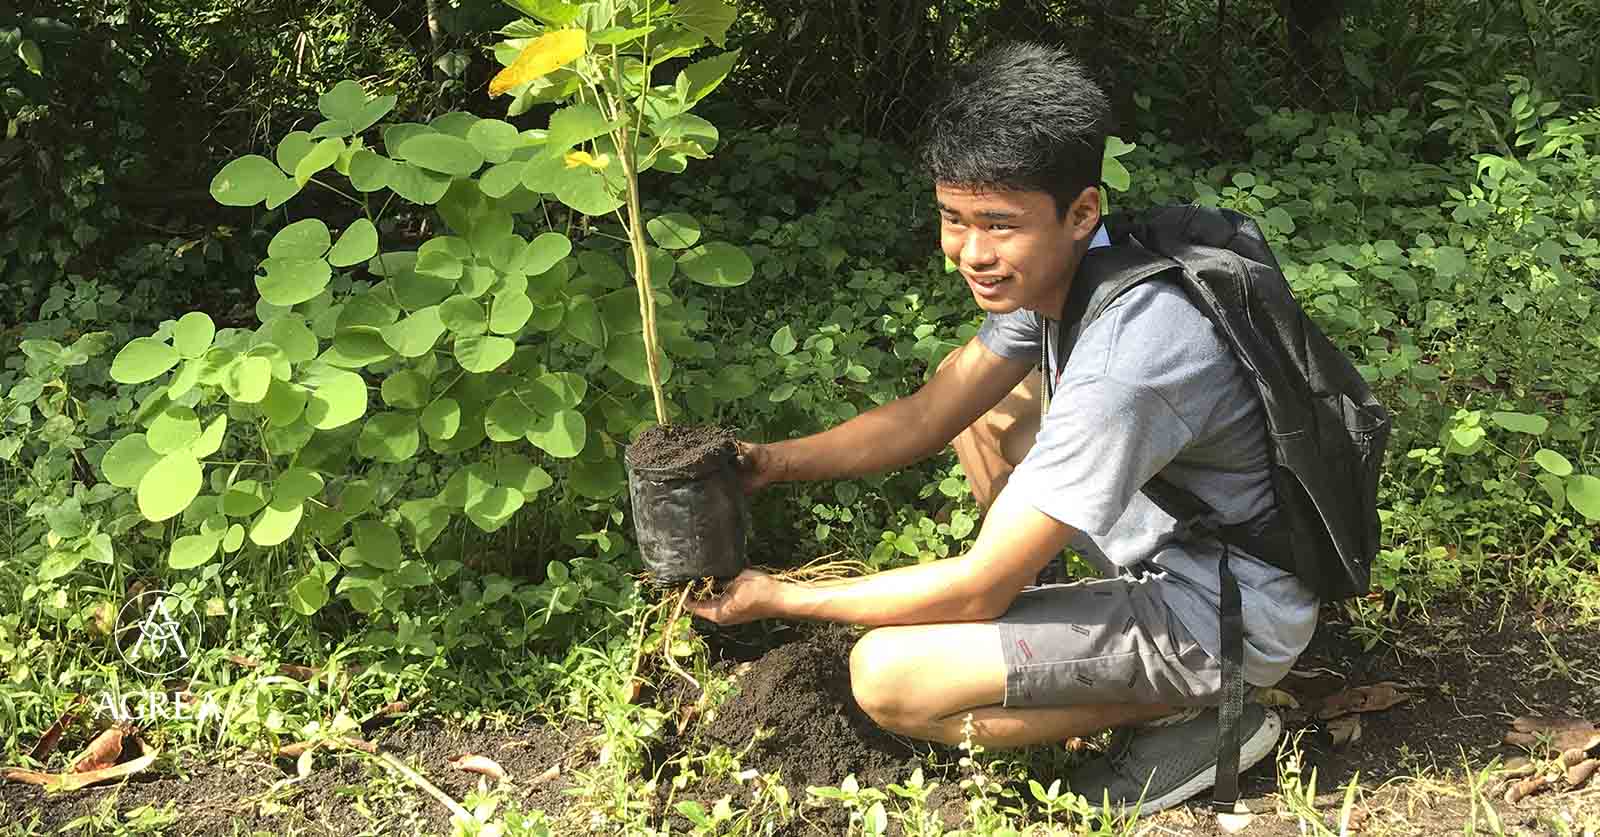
[876, 680]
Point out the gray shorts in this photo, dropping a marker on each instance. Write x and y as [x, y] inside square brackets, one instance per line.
[1111, 640]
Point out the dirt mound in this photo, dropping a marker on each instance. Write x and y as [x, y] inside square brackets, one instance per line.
[798, 696]
[673, 446]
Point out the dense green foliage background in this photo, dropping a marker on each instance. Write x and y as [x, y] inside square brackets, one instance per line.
[1426, 172]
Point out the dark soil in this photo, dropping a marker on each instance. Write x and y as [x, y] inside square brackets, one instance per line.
[674, 446]
[213, 794]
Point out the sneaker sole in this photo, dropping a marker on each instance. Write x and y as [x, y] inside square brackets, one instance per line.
[1255, 748]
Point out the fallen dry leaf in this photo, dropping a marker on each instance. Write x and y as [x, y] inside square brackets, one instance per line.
[1579, 773]
[298, 748]
[479, 764]
[102, 752]
[1561, 740]
[1518, 767]
[1345, 730]
[1275, 698]
[550, 774]
[1525, 788]
[1573, 756]
[52, 736]
[1370, 698]
[1538, 723]
[67, 782]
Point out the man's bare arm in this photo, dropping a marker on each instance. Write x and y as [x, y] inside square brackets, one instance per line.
[1016, 541]
[905, 430]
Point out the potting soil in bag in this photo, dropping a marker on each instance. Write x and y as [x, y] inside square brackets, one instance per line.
[689, 510]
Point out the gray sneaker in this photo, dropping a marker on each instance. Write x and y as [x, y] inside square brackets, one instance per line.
[1165, 763]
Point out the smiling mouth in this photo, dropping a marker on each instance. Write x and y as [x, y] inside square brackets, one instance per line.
[988, 282]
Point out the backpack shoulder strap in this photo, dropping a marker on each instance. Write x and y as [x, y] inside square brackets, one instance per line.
[1105, 274]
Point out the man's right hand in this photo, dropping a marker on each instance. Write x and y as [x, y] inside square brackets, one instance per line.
[758, 467]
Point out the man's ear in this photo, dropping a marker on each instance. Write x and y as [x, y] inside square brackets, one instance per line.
[1084, 213]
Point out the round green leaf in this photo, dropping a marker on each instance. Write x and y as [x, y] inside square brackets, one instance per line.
[321, 156]
[586, 190]
[441, 419]
[718, 264]
[370, 171]
[339, 398]
[169, 486]
[276, 523]
[247, 181]
[441, 153]
[244, 498]
[495, 508]
[483, 354]
[247, 379]
[495, 140]
[499, 181]
[783, 341]
[1583, 492]
[415, 335]
[291, 334]
[463, 315]
[543, 252]
[193, 334]
[509, 312]
[406, 390]
[308, 595]
[233, 538]
[295, 485]
[1533, 425]
[418, 185]
[520, 473]
[389, 437]
[191, 551]
[625, 356]
[210, 440]
[673, 231]
[507, 419]
[283, 403]
[358, 346]
[292, 148]
[306, 239]
[378, 544]
[561, 434]
[128, 460]
[1547, 459]
[292, 281]
[143, 359]
[356, 244]
[554, 391]
[173, 430]
[597, 480]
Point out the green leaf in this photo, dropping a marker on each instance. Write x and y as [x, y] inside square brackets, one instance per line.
[520, 473]
[347, 104]
[673, 231]
[143, 359]
[193, 334]
[783, 341]
[1547, 459]
[338, 399]
[295, 485]
[247, 181]
[291, 335]
[356, 244]
[357, 346]
[1533, 425]
[441, 419]
[509, 312]
[561, 434]
[127, 461]
[389, 437]
[305, 240]
[244, 498]
[1449, 261]
[247, 379]
[553, 13]
[718, 264]
[276, 523]
[507, 419]
[554, 391]
[625, 356]
[495, 140]
[32, 57]
[572, 125]
[583, 321]
[321, 156]
[308, 595]
[378, 543]
[495, 508]
[283, 403]
[293, 148]
[416, 334]
[586, 190]
[370, 171]
[1583, 492]
[597, 480]
[463, 315]
[191, 551]
[710, 18]
[784, 392]
[418, 185]
[483, 354]
[543, 252]
[233, 539]
[1115, 175]
[441, 153]
[169, 486]
[173, 430]
[59, 563]
[292, 281]
[407, 389]
[210, 440]
[500, 180]
[702, 77]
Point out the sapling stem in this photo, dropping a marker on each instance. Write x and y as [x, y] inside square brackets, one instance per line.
[641, 260]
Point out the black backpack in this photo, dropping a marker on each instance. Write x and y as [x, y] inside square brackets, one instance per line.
[1326, 431]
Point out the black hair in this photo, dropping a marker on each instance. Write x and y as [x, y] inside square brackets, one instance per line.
[1023, 117]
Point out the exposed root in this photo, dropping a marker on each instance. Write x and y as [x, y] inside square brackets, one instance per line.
[666, 641]
[824, 570]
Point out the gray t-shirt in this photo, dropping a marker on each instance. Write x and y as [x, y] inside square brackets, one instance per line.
[1150, 387]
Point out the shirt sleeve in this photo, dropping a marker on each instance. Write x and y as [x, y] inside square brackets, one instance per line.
[1014, 336]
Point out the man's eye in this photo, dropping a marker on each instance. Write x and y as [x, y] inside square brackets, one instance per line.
[999, 227]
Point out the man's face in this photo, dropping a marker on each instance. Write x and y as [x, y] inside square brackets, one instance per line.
[1012, 247]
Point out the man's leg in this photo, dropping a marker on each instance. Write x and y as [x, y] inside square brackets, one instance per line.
[922, 680]
[992, 446]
